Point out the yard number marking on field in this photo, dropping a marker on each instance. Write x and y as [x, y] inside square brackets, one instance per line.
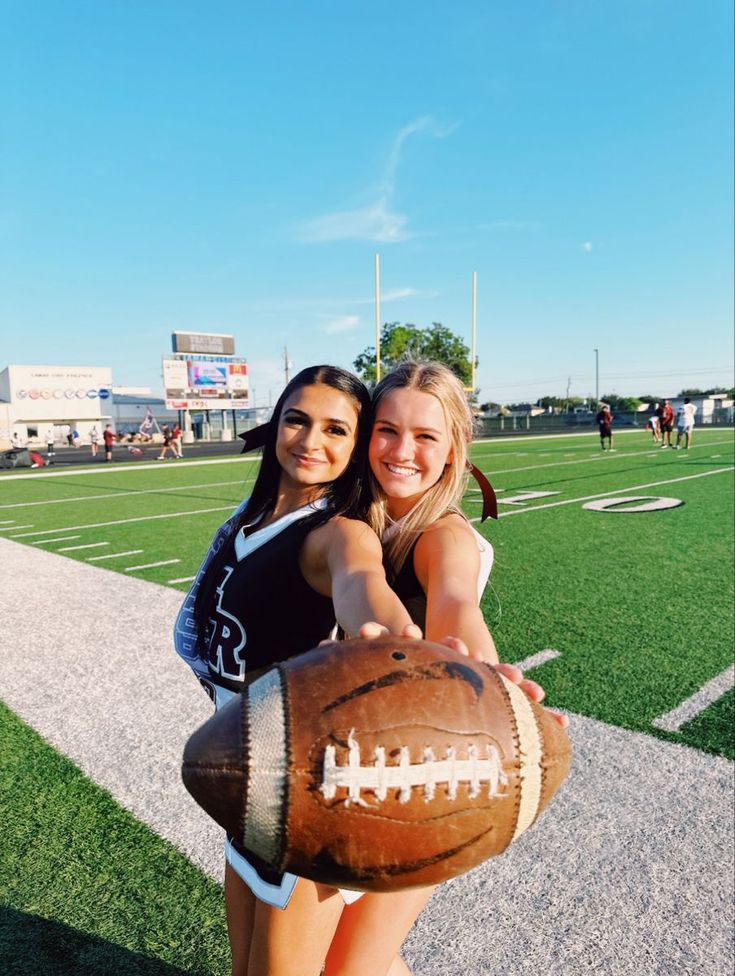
[710, 692]
[622, 504]
[606, 494]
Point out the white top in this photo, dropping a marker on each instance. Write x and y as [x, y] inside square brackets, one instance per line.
[685, 415]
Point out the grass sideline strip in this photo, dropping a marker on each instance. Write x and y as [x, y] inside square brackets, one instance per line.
[139, 906]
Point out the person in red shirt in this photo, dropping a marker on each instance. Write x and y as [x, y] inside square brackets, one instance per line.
[667, 423]
[604, 421]
[108, 436]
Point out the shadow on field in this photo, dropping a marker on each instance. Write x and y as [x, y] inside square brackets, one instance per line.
[33, 946]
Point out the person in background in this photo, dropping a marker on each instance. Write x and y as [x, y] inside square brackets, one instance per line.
[167, 445]
[108, 436]
[94, 439]
[604, 421]
[176, 441]
[50, 445]
[685, 423]
[667, 423]
[655, 424]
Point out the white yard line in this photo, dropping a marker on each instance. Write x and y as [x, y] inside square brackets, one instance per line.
[606, 494]
[111, 555]
[14, 528]
[182, 579]
[536, 660]
[710, 692]
[601, 456]
[63, 538]
[121, 494]
[162, 562]
[88, 545]
[138, 518]
[123, 468]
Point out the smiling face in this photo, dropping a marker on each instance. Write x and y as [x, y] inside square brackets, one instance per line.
[316, 437]
[409, 447]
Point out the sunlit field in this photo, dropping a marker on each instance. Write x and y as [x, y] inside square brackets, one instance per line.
[623, 616]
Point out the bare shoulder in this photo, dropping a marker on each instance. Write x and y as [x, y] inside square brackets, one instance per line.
[451, 532]
[341, 533]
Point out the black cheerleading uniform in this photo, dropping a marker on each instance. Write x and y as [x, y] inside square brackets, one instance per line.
[405, 583]
[264, 611]
[406, 586]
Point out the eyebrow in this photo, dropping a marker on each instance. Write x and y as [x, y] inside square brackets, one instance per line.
[386, 420]
[327, 420]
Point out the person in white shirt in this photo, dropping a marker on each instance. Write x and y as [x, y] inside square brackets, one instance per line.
[685, 423]
[50, 448]
[655, 425]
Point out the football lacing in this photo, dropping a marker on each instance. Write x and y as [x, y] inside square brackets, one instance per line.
[380, 777]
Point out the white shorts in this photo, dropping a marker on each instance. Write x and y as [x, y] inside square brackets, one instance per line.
[275, 894]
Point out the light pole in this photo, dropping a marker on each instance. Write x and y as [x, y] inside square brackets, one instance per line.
[377, 318]
[597, 377]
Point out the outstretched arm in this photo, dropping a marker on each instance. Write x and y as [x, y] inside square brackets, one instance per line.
[344, 559]
[447, 563]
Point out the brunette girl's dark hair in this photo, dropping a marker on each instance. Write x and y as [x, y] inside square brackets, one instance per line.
[348, 495]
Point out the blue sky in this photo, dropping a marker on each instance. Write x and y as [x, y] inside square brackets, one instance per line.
[235, 167]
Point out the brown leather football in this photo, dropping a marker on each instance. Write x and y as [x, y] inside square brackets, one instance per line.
[377, 764]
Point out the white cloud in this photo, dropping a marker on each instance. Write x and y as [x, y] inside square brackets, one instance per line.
[342, 323]
[587, 246]
[396, 294]
[313, 305]
[377, 222]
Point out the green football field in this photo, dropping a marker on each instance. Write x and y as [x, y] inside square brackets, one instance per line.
[638, 605]
[623, 615]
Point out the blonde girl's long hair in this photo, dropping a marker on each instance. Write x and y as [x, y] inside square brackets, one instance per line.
[444, 496]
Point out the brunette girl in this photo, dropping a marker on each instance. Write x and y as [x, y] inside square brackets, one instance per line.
[293, 560]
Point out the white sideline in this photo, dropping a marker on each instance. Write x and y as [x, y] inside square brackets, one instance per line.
[627, 874]
[118, 467]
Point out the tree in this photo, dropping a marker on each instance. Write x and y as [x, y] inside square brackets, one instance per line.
[399, 341]
[623, 404]
[559, 404]
[709, 392]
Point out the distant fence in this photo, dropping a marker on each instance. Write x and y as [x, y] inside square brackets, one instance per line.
[570, 423]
